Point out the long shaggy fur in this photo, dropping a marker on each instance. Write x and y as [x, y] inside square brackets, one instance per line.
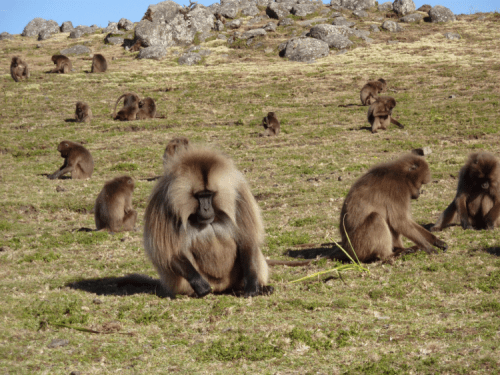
[19, 69]
[380, 113]
[477, 202]
[369, 92]
[77, 161]
[226, 252]
[376, 211]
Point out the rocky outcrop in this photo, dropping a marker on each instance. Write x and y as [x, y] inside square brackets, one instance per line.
[304, 49]
[403, 7]
[152, 52]
[352, 4]
[125, 24]
[75, 50]
[441, 14]
[37, 25]
[66, 27]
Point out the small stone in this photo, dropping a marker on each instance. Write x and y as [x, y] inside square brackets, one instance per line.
[340, 178]
[39, 46]
[97, 301]
[423, 151]
[56, 343]
[452, 96]
[60, 189]
[452, 36]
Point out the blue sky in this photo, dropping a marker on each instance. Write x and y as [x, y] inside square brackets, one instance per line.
[15, 14]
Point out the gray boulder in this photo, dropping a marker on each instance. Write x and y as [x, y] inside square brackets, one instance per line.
[6, 35]
[305, 49]
[263, 3]
[384, 7]
[214, 8]
[66, 27]
[165, 24]
[85, 29]
[111, 28]
[415, 17]
[250, 11]
[197, 49]
[441, 14]
[277, 10]
[152, 52]
[341, 21]
[125, 24]
[271, 26]
[360, 13]
[76, 33]
[253, 33]
[115, 40]
[323, 31]
[229, 10]
[45, 34]
[452, 36]
[337, 41]
[374, 29]
[352, 4]
[37, 25]
[286, 22]
[360, 33]
[302, 10]
[403, 7]
[218, 26]
[189, 59]
[310, 22]
[75, 50]
[235, 24]
[392, 26]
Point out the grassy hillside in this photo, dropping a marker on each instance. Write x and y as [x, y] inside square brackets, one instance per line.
[423, 314]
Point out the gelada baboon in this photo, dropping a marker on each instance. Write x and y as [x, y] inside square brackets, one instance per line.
[370, 91]
[77, 160]
[19, 69]
[99, 64]
[175, 146]
[271, 125]
[113, 206]
[130, 107]
[380, 113]
[147, 109]
[203, 228]
[136, 47]
[477, 202]
[376, 211]
[63, 64]
[83, 113]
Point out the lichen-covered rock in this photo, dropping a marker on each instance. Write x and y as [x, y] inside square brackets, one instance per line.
[360, 13]
[45, 34]
[360, 33]
[76, 33]
[111, 28]
[37, 25]
[286, 22]
[403, 7]
[384, 7]
[452, 36]
[415, 17]
[218, 26]
[302, 10]
[323, 31]
[125, 24]
[341, 21]
[425, 8]
[235, 24]
[199, 50]
[337, 41]
[165, 12]
[352, 4]
[115, 40]
[271, 26]
[152, 52]
[75, 50]
[6, 35]
[229, 10]
[305, 49]
[190, 59]
[253, 33]
[277, 10]
[85, 29]
[441, 14]
[374, 29]
[392, 26]
[66, 27]
[250, 11]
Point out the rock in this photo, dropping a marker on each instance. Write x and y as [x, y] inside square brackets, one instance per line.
[76, 33]
[152, 52]
[403, 7]
[360, 13]
[115, 40]
[253, 33]
[423, 151]
[111, 28]
[441, 14]
[452, 96]
[360, 33]
[425, 8]
[286, 22]
[85, 29]
[6, 35]
[125, 24]
[384, 7]
[374, 29]
[341, 21]
[94, 28]
[197, 49]
[452, 36]
[392, 26]
[277, 10]
[352, 4]
[221, 37]
[392, 41]
[271, 26]
[163, 24]
[60, 189]
[39, 45]
[338, 41]
[66, 27]
[235, 24]
[75, 50]
[323, 31]
[214, 8]
[219, 25]
[56, 343]
[305, 49]
[45, 34]
[189, 59]
[250, 11]
[263, 3]
[229, 10]
[415, 17]
[310, 22]
[37, 25]
[302, 10]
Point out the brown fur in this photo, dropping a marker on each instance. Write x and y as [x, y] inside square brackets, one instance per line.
[175, 146]
[380, 113]
[136, 47]
[370, 91]
[63, 64]
[147, 109]
[83, 113]
[19, 69]
[477, 202]
[271, 125]
[130, 107]
[376, 211]
[113, 206]
[77, 160]
[198, 247]
[99, 64]
[425, 8]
